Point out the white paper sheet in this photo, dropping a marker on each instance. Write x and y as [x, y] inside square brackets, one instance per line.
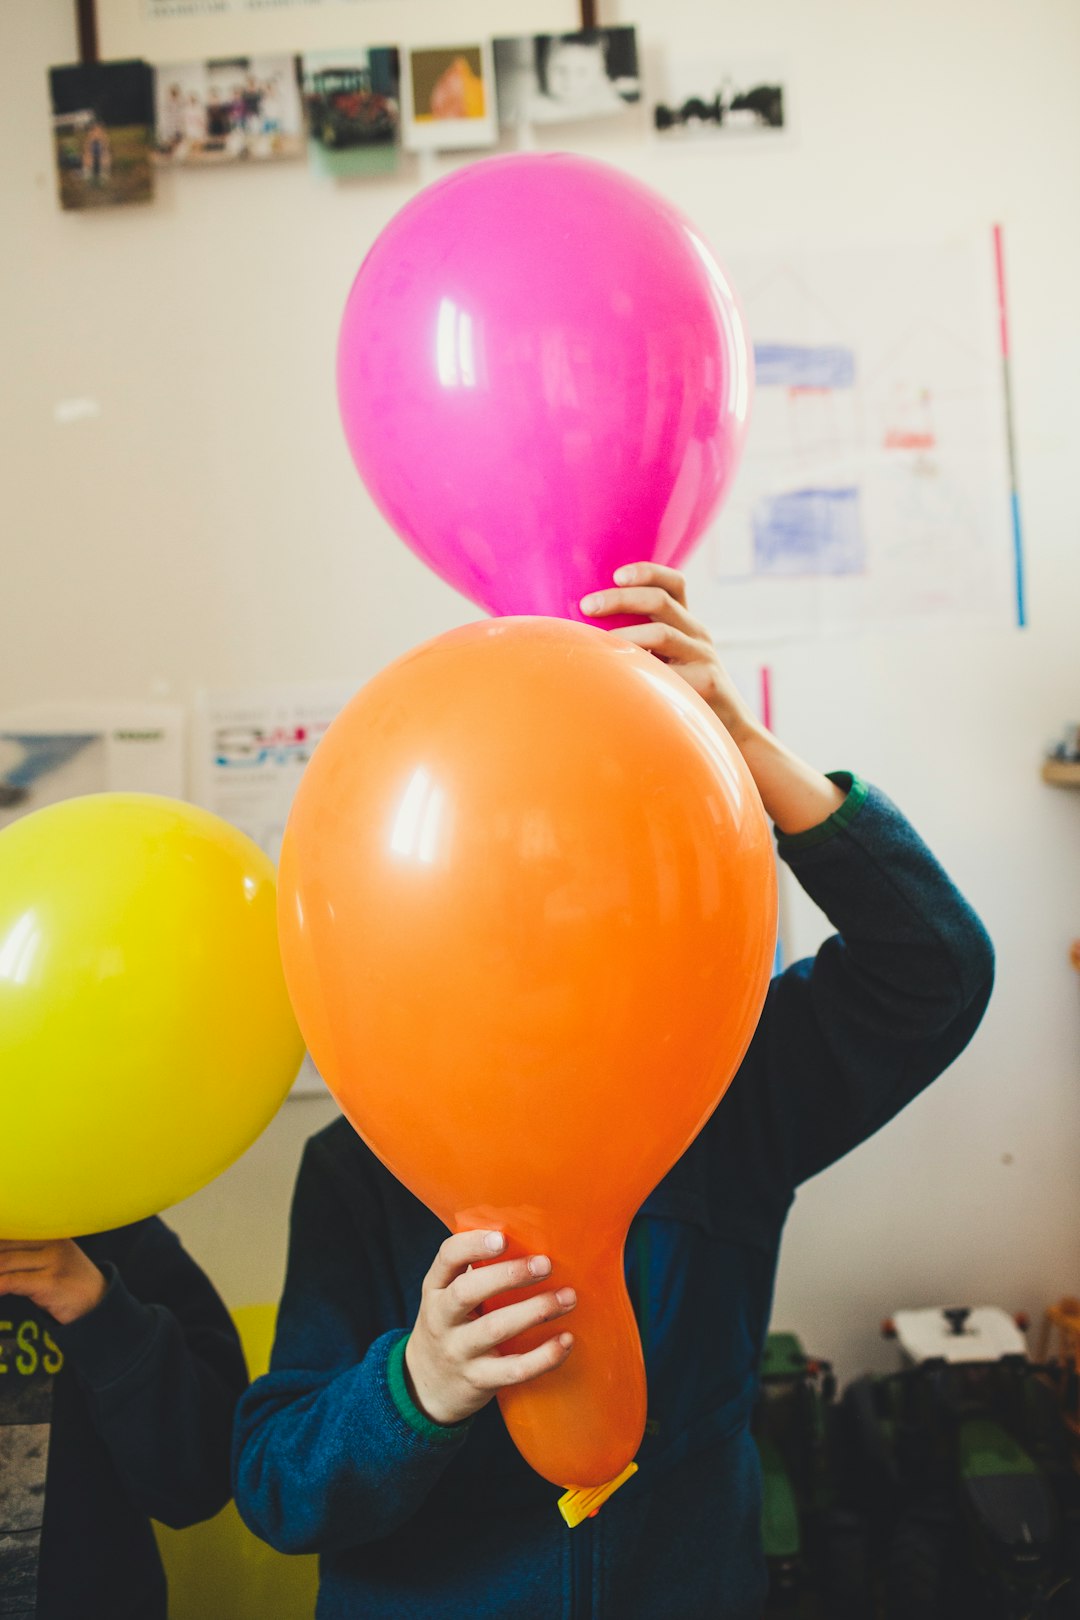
[59, 751]
[251, 749]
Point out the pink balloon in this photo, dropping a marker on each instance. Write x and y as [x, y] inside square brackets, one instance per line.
[543, 373]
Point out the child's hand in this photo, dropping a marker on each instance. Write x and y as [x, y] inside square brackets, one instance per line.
[56, 1276]
[674, 636]
[452, 1362]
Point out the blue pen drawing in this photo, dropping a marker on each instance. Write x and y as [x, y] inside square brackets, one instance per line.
[795, 365]
[809, 531]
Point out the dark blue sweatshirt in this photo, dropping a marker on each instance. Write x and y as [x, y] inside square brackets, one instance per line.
[418, 1522]
[122, 1416]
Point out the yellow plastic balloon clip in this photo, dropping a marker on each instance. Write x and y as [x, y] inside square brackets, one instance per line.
[583, 1502]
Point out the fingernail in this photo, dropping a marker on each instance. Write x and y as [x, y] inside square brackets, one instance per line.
[624, 576]
[539, 1265]
[566, 1297]
[589, 604]
[566, 1340]
[495, 1242]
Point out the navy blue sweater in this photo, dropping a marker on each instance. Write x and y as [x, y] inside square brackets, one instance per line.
[132, 1408]
[418, 1522]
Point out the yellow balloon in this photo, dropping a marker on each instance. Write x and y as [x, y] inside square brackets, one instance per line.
[146, 1036]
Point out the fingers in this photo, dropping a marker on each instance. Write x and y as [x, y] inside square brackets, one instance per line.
[453, 1354]
[474, 1288]
[460, 1251]
[22, 1281]
[651, 573]
[499, 1327]
[664, 640]
[646, 600]
[500, 1372]
[18, 1261]
[463, 1288]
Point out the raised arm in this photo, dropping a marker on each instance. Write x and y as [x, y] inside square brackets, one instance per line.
[847, 1037]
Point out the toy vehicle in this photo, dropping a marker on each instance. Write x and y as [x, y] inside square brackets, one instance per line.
[1060, 1348]
[965, 1459]
[343, 108]
[817, 1547]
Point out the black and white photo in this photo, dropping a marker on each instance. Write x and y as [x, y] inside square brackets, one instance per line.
[560, 78]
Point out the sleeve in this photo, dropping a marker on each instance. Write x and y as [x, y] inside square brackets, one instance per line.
[851, 1036]
[329, 1449]
[161, 1365]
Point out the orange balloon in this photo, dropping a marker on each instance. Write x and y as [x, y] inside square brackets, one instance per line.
[527, 907]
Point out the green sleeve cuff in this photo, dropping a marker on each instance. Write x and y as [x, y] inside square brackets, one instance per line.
[405, 1405]
[856, 790]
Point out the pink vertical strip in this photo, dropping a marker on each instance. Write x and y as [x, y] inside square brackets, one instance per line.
[1003, 311]
[766, 697]
[1010, 430]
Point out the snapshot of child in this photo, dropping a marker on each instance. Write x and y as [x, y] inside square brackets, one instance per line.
[556, 78]
[573, 81]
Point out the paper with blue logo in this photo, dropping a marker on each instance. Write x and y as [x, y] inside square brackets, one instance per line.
[251, 748]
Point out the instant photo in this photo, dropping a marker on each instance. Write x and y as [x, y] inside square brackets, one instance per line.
[449, 100]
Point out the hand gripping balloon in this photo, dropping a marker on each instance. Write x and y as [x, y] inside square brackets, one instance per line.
[146, 1036]
[543, 374]
[527, 911]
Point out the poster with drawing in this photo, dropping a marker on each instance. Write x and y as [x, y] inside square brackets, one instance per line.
[877, 486]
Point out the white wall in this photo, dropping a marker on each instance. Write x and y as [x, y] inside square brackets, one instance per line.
[208, 529]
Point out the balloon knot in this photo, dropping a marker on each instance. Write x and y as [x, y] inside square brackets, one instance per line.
[584, 1502]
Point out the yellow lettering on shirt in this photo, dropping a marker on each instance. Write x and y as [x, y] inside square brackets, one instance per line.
[27, 1361]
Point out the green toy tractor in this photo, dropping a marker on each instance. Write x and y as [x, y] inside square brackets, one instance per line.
[964, 1458]
[816, 1541]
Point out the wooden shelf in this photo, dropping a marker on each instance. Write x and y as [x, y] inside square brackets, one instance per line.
[1061, 772]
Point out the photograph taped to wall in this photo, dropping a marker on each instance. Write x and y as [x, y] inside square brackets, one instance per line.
[559, 78]
[52, 752]
[449, 98]
[238, 108]
[353, 104]
[723, 97]
[103, 118]
[876, 486]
